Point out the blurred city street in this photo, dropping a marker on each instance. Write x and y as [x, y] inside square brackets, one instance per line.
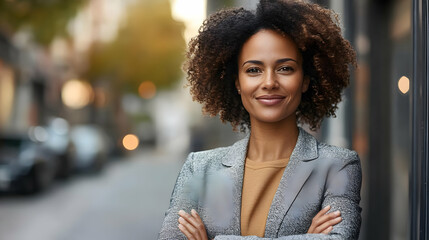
[96, 87]
[126, 200]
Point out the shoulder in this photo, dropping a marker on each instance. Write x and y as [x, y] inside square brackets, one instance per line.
[328, 150]
[309, 147]
[207, 158]
[337, 155]
[215, 157]
[211, 154]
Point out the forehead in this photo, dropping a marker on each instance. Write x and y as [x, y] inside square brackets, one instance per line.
[266, 45]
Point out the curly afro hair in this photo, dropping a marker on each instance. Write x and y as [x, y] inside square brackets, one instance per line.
[212, 58]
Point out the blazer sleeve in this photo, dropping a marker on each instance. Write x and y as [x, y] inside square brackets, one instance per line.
[181, 199]
[342, 192]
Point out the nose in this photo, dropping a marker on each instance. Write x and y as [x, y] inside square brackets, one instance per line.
[270, 81]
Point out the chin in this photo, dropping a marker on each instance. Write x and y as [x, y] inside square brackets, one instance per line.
[275, 117]
[272, 119]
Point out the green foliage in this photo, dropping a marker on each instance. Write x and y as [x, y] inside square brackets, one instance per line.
[45, 18]
[216, 5]
[148, 47]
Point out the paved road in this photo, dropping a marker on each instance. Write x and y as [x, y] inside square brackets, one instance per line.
[126, 201]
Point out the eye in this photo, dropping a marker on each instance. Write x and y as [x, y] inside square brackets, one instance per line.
[286, 69]
[253, 70]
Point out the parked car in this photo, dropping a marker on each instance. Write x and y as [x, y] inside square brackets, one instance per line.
[25, 165]
[92, 147]
[58, 141]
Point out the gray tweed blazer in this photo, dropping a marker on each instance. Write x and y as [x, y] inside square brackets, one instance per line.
[317, 175]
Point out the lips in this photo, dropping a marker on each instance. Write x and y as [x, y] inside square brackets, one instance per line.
[270, 100]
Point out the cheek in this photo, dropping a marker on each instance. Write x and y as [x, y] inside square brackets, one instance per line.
[247, 86]
[246, 99]
[294, 88]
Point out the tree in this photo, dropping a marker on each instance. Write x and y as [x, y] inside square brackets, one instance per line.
[44, 18]
[149, 47]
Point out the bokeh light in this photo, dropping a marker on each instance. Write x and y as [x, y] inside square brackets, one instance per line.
[76, 94]
[191, 12]
[147, 90]
[404, 84]
[130, 142]
[38, 134]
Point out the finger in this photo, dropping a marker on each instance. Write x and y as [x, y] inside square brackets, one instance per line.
[317, 222]
[185, 231]
[189, 217]
[194, 233]
[328, 230]
[326, 217]
[328, 224]
[200, 226]
[196, 215]
[323, 211]
[196, 223]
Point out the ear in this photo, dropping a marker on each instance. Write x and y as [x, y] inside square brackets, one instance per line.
[237, 85]
[305, 84]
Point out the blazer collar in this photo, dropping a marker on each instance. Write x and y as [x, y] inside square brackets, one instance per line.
[305, 149]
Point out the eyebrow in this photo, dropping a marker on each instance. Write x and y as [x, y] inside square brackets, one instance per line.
[282, 60]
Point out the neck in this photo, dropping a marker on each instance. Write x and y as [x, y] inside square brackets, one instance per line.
[272, 141]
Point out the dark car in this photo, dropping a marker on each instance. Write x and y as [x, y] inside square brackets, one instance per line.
[25, 165]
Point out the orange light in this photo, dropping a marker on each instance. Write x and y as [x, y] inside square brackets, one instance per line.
[404, 84]
[130, 142]
[77, 94]
[147, 90]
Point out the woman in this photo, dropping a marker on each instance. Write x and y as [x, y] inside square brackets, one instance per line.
[267, 71]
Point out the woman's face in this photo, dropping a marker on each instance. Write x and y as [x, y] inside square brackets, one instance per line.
[270, 77]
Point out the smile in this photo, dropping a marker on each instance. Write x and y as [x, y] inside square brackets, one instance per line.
[270, 100]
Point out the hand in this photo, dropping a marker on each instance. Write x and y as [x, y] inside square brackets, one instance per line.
[192, 226]
[323, 222]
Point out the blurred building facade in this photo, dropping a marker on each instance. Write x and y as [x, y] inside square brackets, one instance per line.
[23, 83]
[8, 67]
[33, 77]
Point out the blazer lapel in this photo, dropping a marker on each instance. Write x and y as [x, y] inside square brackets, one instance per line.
[294, 177]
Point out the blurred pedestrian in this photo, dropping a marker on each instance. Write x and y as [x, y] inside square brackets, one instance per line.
[266, 72]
